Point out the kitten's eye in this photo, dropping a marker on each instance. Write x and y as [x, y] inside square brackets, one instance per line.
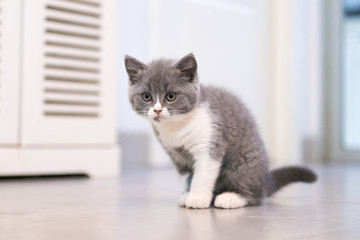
[171, 96]
[146, 97]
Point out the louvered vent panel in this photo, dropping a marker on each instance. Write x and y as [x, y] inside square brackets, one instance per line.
[72, 63]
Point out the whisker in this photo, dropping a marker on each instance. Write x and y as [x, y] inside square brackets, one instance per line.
[181, 119]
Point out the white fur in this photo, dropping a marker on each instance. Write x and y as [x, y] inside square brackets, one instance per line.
[151, 114]
[229, 200]
[163, 114]
[203, 181]
[157, 106]
[193, 132]
[182, 199]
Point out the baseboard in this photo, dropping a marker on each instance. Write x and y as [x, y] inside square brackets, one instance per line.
[141, 150]
[97, 163]
[312, 151]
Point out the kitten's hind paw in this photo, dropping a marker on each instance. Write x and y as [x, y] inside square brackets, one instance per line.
[182, 199]
[229, 200]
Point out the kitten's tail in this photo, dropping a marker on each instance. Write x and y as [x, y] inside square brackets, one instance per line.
[285, 175]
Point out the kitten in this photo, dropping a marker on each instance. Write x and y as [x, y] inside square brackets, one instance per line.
[209, 135]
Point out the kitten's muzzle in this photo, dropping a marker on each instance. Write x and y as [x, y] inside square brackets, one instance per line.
[158, 111]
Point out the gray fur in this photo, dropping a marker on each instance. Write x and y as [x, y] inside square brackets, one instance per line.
[182, 159]
[236, 141]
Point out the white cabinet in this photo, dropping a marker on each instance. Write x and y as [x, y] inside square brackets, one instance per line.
[9, 71]
[57, 87]
[68, 96]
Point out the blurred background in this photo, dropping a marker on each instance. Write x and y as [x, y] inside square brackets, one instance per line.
[295, 63]
[63, 85]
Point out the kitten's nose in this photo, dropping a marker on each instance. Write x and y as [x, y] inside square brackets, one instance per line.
[157, 111]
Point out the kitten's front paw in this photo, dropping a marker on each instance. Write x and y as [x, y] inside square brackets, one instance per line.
[182, 199]
[198, 201]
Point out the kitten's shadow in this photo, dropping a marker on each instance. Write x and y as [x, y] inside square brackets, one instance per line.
[209, 223]
[213, 222]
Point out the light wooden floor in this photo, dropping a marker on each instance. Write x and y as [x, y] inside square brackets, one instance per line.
[143, 206]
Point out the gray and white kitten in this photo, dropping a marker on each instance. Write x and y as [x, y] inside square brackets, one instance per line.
[208, 133]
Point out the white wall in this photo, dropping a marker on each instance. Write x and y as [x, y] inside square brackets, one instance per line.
[228, 39]
[296, 80]
[267, 52]
[132, 41]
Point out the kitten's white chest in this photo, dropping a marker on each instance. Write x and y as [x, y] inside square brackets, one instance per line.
[192, 135]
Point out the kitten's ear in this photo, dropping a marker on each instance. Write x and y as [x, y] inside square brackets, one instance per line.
[188, 67]
[133, 66]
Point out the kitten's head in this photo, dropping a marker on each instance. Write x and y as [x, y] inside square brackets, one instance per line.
[163, 89]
